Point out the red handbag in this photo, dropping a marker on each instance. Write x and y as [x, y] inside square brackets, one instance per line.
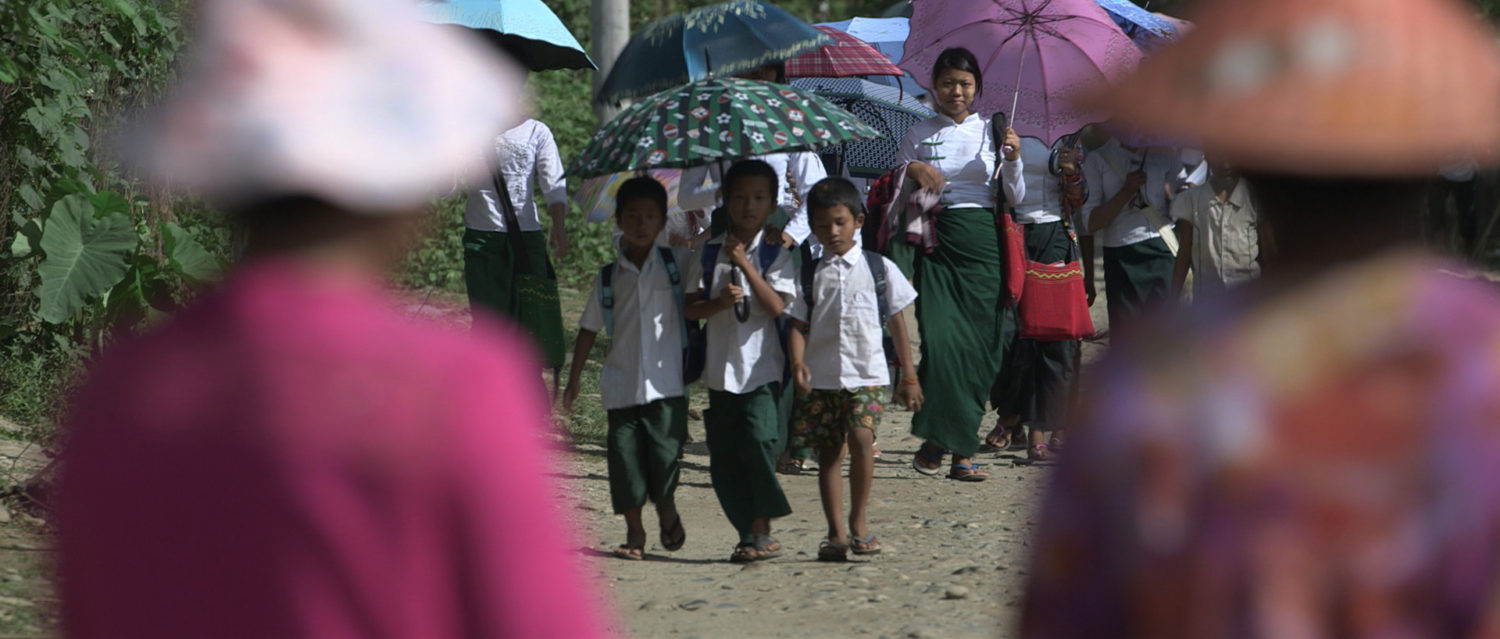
[1015, 257]
[1053, 304]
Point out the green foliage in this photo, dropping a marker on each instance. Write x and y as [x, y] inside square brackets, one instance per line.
[81, 250]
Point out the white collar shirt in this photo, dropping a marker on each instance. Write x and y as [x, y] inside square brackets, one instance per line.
[1043, 201]
[1106, 168]
[1226, 239]
[522, 152]
[964, 153]
[743, 356]
[844, 344]
[797, 173]
[644, 363]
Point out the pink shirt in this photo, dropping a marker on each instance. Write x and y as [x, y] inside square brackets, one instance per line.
[293, 457]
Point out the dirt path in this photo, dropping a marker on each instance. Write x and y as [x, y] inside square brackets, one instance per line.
[954, 564]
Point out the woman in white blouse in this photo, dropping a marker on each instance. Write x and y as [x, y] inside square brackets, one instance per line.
[961, 302]
[525, 160]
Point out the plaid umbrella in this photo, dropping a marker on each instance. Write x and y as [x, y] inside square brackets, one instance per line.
[847, 56]
[877, 105]
[716, 119]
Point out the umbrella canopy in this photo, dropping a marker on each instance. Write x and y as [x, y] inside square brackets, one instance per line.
[883, 108]
[848, 56]
[1148, 30]
[716, 119]
[722, 39]
[1037, 56]
[598, 193]
[1336, 87]
[526, 29]
[888, 36]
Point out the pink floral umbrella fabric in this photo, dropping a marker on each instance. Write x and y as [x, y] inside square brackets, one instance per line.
[1055, 50]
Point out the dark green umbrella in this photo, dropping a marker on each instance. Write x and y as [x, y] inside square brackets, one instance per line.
[716, 119]
[721, 39]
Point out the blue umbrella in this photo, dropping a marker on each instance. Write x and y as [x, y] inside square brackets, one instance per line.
[877, 105]
[722, 39]
[1148, 30]
[888, 36]
[526, 29]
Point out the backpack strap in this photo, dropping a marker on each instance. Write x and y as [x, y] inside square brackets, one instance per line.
[607, 297]
[766, 255]
[809, 268]
[708, 258]
[675, 276]
[876, 263]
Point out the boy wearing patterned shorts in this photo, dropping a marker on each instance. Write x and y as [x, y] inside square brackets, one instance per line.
[839, 363]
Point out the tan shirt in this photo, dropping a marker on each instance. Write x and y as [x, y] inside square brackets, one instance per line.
[1226, 240]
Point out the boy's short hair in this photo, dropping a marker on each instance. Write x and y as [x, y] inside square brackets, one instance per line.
[835, 191]
[750, 169]
[642, 187]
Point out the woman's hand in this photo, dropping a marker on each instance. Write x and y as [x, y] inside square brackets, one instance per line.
[1011, 145]
[927, 176]
[1067, 161]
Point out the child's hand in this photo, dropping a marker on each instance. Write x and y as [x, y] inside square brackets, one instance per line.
[736, 250]
[803, 376]
[732, 294]
[910, 395]
[570, 395]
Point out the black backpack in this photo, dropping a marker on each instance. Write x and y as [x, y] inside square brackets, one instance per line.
[876, 263]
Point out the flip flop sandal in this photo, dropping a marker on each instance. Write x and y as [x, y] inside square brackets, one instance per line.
[632, 554]
[766, 547]
[673, 537]
[868, 545]
[967, 472]
[1041, 454]
[830, 550]
[926, 454]
[744, 553]
[996, 445]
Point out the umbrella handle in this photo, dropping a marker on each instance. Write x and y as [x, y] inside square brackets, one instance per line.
[1016, 99]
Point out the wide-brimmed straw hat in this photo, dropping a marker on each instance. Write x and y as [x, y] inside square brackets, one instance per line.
[353, 101]
[1324, 87]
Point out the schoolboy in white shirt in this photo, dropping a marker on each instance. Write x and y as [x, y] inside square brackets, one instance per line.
[741, 285]
[641, 385]
[839, 363]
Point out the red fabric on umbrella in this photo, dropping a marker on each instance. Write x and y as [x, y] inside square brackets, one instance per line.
[847, 56]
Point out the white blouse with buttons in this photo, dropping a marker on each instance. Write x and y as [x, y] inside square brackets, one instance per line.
[965, 154]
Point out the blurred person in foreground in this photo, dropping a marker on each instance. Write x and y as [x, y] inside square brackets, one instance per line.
[1313, 454]
[292, 455]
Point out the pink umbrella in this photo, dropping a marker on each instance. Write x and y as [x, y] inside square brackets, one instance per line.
[1036, 55]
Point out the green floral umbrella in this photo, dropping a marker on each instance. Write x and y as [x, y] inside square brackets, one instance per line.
[716, 119]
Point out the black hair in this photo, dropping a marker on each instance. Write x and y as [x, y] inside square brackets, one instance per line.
[958, 59]
[748, 169]
[834, 191]
[643, 187]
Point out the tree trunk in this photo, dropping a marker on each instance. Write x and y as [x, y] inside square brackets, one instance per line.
[610, 31]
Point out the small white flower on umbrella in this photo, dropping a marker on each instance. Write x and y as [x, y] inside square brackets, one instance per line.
[741, 95]
[700, 112]
[724, 118]
[646, 142]
[759, 139]
[773, 102]
[795, 115]
[656, 156]
[725, 136]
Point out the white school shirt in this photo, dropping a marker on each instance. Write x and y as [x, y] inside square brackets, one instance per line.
[1131, 226]
[1225, 238]
[1043, 199]
[521, 152]
[844, 342]
[644, 363]
[804, 168]
[743, 356]
[965, 156]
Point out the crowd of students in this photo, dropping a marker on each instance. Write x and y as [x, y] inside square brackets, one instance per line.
[788, 377]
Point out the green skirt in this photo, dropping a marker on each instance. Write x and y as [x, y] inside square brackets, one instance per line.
[964, 329]
[526, 294]
[1137, 277]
